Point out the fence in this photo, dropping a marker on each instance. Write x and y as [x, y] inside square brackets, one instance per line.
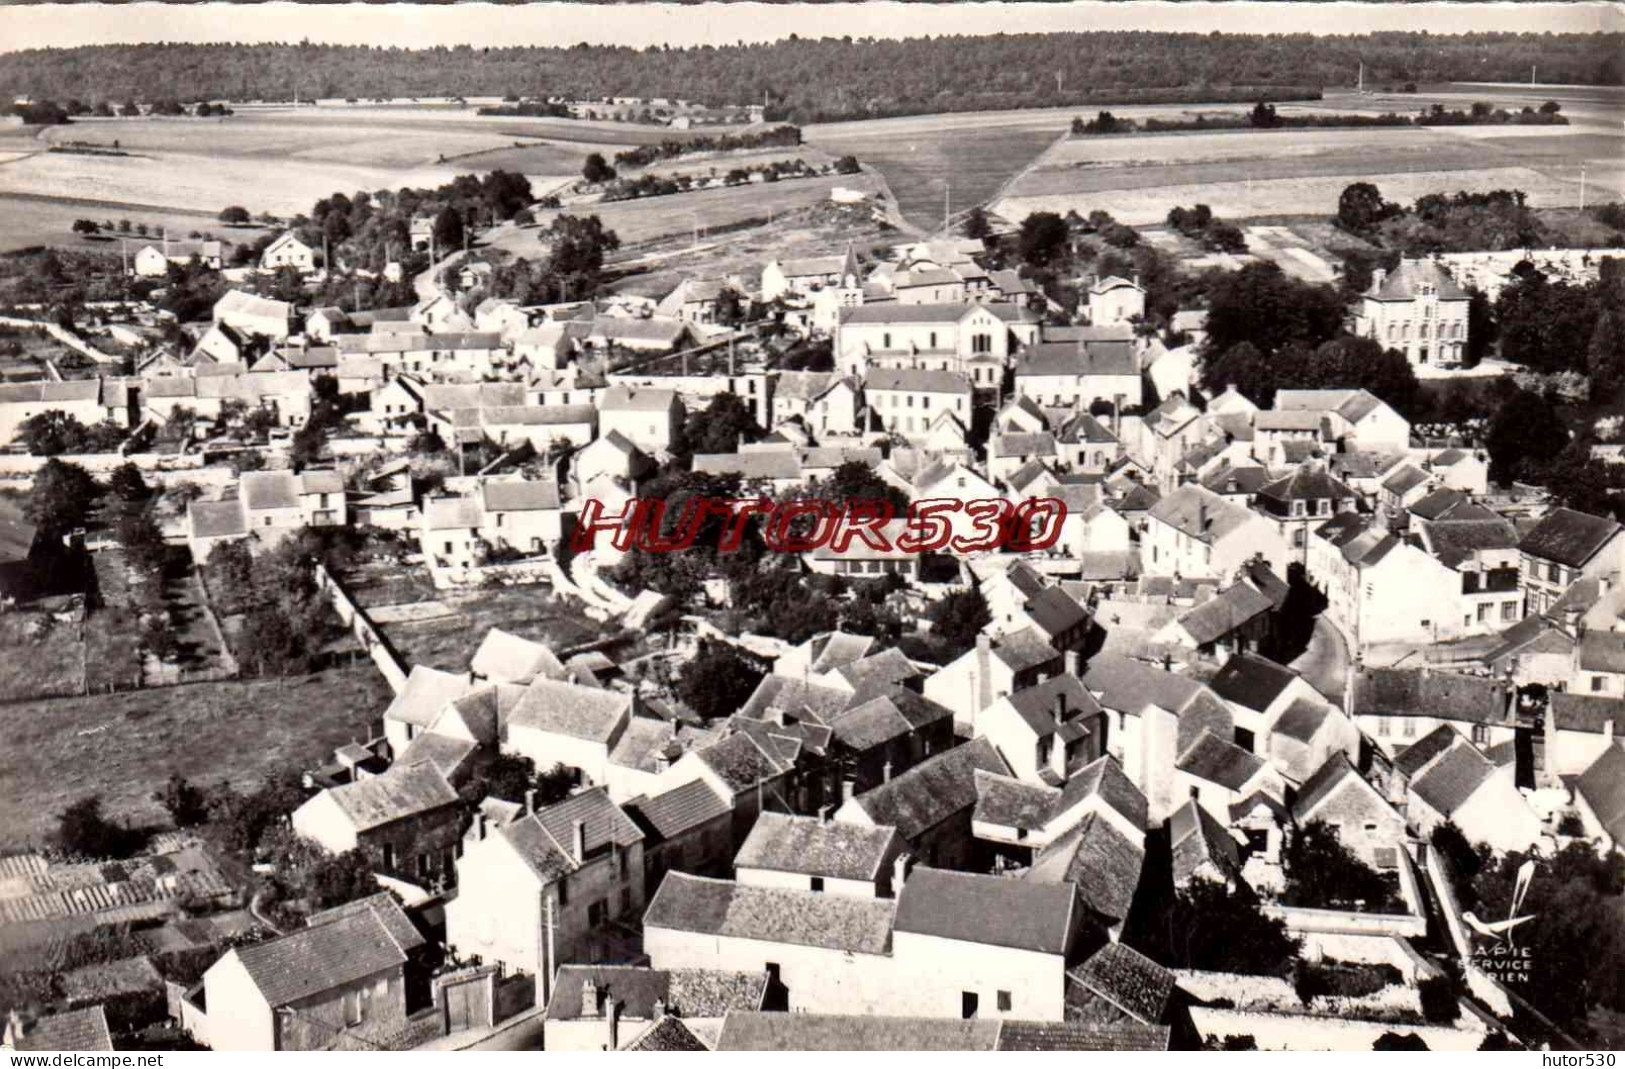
[366, 632]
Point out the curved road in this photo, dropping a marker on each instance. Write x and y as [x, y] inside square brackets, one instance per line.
[1325, 662]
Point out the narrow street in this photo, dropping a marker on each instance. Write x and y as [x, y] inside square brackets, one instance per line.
[1325, 662]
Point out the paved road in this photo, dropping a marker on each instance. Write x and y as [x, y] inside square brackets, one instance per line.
[1325, 663]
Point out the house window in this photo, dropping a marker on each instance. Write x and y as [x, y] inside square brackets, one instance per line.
[564, 893]
[1509, 610]
[1004, 1002]
[1297, 508]
[815, 883]
[626, 901]
[1383, 727]
[352, 1007]
[389, 855]
[968, 1004]
[1370, 827]
[1481, 734]
[1410, 728]
[1484, 612]
[1297, 538]
[1596, 684]
[1552, 573]
[423, 864]
[597, 913]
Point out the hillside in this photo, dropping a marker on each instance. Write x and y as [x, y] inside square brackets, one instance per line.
[828, 79]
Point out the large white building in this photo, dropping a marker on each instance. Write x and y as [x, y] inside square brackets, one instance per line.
[1419, 310]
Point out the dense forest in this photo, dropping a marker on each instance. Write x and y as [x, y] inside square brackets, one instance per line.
[807, 80]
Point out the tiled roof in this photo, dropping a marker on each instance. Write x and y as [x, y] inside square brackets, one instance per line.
[1568, 537]
[1197, 840]
[427, 691]
[1217, 761]
[1054, 611]
[670, 813]
[1251, 681]
[508, 658]
[1302, 719]
[1454, 778]
[933, 790]
[520, 495]
[445, 753]
[216, 519]
[579, 712]
[814, 847]
[703, 906]
[1306, 483]
[1105, 777]
[1128, 979]
[1062, 697]
[451, 513]
[1080, 1036]
[916, 380]
[1012, 803]
[606, 823]
[1602, 651]
[1129, 686]
[685, 992]
[1454, 541]
[1219, 616]
[270, 490]
[401, 792]
[640, 399]
[668, 1033]
[315, 960]
[381, 905]
[1099, 859]
[1403, 283]
[1589, 713]
[819, 1032]
[1413, 758]
[1429, 693]
[1183, 511]
[1603, 788]
[878, 669]
[76, 1030]
[986, 910]
[741, 762]
[1318, 787]
[1406, 479]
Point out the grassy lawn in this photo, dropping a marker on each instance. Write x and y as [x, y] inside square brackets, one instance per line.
[42, 655]
[124, 746]
[529, 612]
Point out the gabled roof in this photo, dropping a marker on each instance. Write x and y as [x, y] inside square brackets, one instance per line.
[381, 905]
[1252, 681]
[1197, 840]
[1233, 607]
[1429, 693]
[508, 658]
[933, 790]
[1602, 651]
[1415, 757]
[916, 380]
[1099, 859]
[1061, 705]
[1199, 513]
[427, 691]
[670, 813]
[1302, 720]
[703, 906]
[1404, 282]
[585, 713]
[1218, 761]
[1568, 537]
[821, 1032]
[1453, 540]
[84, 1029]
[815, 847]
[640, 399]
[741, 762]
[520, 495]
[1306, 484]
[216, 519]
[1589, 713]
[1127, 979]
[1603, 788]
[1128, 686]
[1325, 782]
[986, 910]
[320, 959]
[403, 791]
[1453, 778]
[691, 993]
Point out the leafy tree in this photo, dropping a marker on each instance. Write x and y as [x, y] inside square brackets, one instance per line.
[82, 829]
[1441, 1004]
[1525, 430]
[1546, 326]
[847, 165]
[61, 497]
[596, 170]
[1482, 329]
[1322, 873]
[1263, 116]
[509, 776]
[578, 246]
[958, 618]
[1396, 1041]
[1605, 356]
[1243, 367]
[1209, 926]
[448, 230]
[717, 681]
[86, 227]
[1042, 238]
[1360, 207]
[719, 427]
[128, 485]
[142, 540]
[236, 215]
[186, 804]
[1263, 305]
[976, 226]
[340, 878]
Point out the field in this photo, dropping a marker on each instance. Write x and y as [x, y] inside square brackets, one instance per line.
[126, 745]
[449, 643]
[652, 218]
[1243, 174]
[41, 220]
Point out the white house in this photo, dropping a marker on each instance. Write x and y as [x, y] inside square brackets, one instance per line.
[818, 854]
[1115, 300]
[1419, 310]
[252, 314]
[908, 400]
[648, 418]
[288, 251]
[1195, 532]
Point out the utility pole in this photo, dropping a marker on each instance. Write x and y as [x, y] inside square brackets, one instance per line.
[1359, 86]
[1582, 187]
[947, 202]
[1532, 67]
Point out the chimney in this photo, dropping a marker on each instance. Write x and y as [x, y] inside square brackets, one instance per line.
[530, 801]
[1072, 660]
[899, 874]
[847, 789]
[1060, 706]
[660, 1009]
[581, 841]
[589, 998]
[984, 678]
[885, 772]
[479, 827]
[823, 813]
[1378, 277]
[614, 1009]
[1201, 517]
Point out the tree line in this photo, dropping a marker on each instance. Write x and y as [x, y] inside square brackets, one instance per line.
[811, 80]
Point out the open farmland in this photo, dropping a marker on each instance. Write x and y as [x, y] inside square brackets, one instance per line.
[127, 745]
[1241, 174]
[651, 218]
[27, 220]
